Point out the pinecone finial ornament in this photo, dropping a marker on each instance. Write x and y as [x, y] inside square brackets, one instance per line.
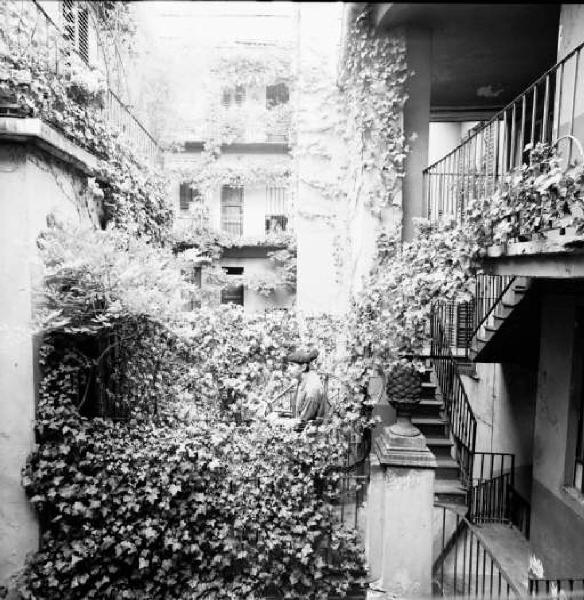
[404, 392]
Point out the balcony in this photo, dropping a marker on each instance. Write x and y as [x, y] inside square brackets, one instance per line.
[64, 35]
[481, 168]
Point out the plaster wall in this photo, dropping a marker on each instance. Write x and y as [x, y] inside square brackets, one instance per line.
[445, 137]
[32, 186]
[503, 401]
[557, 521]
[416, 125]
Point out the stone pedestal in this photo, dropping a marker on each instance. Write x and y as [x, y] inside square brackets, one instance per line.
[407, 482]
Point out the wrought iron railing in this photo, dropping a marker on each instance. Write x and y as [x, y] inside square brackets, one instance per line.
[493, 497]
[461, 419]
[466, 567]
[458, 319]
[544, 112]
[567, 588]
[53, 50]
[489, 291]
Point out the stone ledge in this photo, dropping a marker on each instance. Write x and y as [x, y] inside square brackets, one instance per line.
[48, 139]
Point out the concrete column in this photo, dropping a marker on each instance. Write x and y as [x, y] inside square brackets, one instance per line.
[416, 124]
[408, 499]
[375, 517]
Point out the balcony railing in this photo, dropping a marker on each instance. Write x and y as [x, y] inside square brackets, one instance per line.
[545, 112]
[53, 50]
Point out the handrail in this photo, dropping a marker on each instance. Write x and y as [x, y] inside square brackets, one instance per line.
[475, 168]
[463, 424]
[496, 287]
[501, 112]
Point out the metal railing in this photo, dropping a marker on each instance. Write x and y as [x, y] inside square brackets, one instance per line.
[566, 587]
[545, 112]
[466, 567]
[489, 291]
[489, 495]
[463, 425]
[53, 51]
[458, 320]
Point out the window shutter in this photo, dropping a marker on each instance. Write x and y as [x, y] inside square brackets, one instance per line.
[83, 33]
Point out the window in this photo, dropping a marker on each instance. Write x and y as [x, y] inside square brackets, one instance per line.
[232, 210]
[234, 96]
[577, 411]
[76, 26]
[277, 94]
[187, 195]
[233, 293]
[276, 209]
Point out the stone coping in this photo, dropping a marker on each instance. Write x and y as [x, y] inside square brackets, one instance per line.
[48, 139]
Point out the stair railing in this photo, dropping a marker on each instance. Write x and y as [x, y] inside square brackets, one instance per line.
[568, 587]
[461, 419]
[466, 567]
[489, 291]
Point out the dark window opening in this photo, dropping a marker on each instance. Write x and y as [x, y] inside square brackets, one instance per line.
[277, 94]
[578, 478]
[233, 293]
[187, 196]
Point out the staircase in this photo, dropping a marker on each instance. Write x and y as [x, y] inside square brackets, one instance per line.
[498, 316]
[430, 419]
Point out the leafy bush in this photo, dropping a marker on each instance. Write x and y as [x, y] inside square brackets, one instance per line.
[533, 198]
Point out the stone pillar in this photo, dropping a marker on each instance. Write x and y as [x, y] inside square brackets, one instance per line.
[407, 468]
[416, 125]
[375, 517]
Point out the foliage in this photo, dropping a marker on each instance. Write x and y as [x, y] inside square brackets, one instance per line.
[150, 509]
[534, 197]
[172, 499]
[237, 66]
[93, 278]
[71, 98]
[389, 320]
[374, 87]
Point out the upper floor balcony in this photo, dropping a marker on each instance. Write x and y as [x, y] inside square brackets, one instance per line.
[519, 174]
[71, 36]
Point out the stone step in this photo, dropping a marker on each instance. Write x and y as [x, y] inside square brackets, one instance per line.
[449, 491]
[440, 446]
[447, 468]
[431, 426]
[429, 407]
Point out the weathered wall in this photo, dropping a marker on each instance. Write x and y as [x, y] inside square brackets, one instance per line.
[557, 521]
[32, 186]
[503, 401]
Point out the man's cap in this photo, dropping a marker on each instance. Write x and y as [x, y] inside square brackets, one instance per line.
[302, 357]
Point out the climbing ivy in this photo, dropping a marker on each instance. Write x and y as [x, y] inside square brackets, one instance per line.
[72, 98]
